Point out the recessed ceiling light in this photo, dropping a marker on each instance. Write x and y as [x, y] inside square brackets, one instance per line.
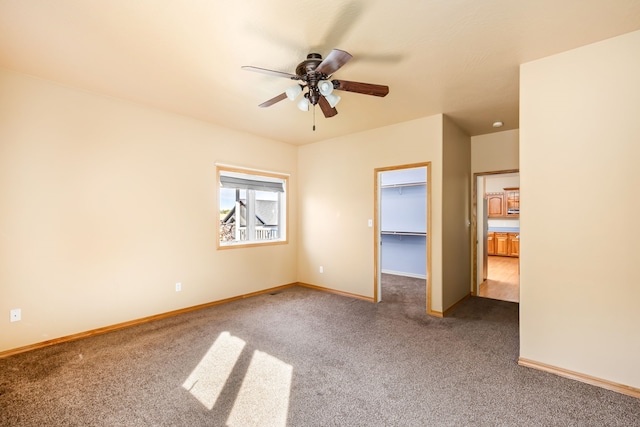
[497, 124]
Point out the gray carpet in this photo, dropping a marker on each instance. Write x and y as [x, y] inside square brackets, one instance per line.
[301, 357]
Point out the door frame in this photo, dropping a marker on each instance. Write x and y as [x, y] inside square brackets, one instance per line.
[377, 239]
[474, 224]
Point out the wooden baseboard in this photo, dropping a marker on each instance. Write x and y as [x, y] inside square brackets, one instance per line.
[334, 291]
[135, 322]
[448, 310]
[455, 305]
[598, 382]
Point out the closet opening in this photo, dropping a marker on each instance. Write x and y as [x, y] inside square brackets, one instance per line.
[402, 238]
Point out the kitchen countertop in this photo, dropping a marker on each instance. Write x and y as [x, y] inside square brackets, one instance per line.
[505, 229]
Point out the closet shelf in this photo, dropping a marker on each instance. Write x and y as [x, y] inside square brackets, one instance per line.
[403, 233]
[406, 184]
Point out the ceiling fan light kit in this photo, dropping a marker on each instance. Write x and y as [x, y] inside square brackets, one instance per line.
[293, 92]
[325, 87]
[303, 105]
[332, 99]
[314, 73]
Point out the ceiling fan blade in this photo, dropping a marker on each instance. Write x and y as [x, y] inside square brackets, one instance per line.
[336, 59]
[270, 72]
[364, 88]
[273, 100]
[327, 109]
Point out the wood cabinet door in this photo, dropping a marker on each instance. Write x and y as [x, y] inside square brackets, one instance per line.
[491, 244]
[514, 244]
[512, 202]
[495, 205]
[502, 244]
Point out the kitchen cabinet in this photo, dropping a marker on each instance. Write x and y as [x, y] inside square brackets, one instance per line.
[503, 204]
[491, 243]
[495, 205]
[502, 243]
[512, 201]
[514, 244]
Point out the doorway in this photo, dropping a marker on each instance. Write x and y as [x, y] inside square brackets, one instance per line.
[496, 260]
[402, 239]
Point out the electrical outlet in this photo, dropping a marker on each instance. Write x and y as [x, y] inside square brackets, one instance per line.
[15, 315]
[178, 287]
[321, 269]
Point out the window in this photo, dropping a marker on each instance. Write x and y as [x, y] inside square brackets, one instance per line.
[252, 207]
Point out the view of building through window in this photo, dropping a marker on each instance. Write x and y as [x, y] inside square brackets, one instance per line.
[252, 207]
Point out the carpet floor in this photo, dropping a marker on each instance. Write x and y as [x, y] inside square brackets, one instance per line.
[301, 357]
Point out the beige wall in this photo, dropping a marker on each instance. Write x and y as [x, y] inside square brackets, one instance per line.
[455, 213]
[336, 198]
[109, 204]
[579, 145]
[495, 151]
[105, 205]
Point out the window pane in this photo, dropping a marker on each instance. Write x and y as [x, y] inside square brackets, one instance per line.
[252, 208]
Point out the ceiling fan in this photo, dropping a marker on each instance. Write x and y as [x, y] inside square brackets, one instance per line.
[314, 74]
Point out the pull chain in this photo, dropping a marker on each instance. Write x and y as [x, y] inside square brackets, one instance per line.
[314, 118]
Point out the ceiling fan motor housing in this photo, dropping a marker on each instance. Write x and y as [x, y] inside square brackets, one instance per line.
[306, 71]
[309, 65]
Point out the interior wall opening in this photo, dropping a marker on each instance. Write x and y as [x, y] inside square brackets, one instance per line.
[497, 227]
[401, 235]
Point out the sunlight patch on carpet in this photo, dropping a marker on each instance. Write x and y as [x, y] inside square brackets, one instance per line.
[207, 380]
[263, 399]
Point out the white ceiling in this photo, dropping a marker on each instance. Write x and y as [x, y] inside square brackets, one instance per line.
[458, 57]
